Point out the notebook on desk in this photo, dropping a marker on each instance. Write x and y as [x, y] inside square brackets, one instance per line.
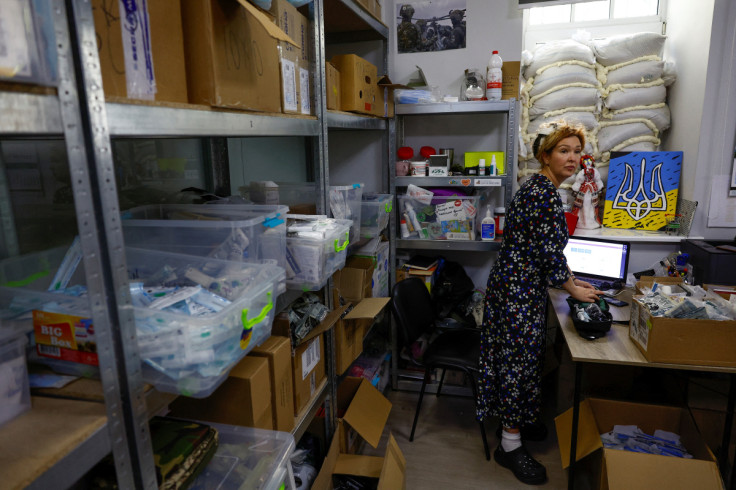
[598, 261]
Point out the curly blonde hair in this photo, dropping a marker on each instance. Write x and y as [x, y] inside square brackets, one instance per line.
[550, 134]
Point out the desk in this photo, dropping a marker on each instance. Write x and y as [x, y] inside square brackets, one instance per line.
[616, 348]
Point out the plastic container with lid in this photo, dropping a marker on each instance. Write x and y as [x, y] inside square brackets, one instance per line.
[250, 458]
[346, 202]
[182, 352]
[500, 215]
[316, 247]
[375, 213]
[224, 231]
[445, 218]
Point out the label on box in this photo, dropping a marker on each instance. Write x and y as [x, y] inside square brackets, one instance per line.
[288, 76]
[487, 182]
[134, 23]
[310, 358]
[438, 171]
[452, 210]
[306, 100]
[457, 230]
[639, 330]
[65, 337]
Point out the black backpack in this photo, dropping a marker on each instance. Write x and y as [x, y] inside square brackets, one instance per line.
[452, 288]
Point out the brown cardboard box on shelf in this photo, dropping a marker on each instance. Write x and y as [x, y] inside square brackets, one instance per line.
[332, 85]
[166, 49]
[220, 59]
[625, 470]
[358, 83]
[351, 329]
[682, 341]
[510, 80]
[277, 350]
[295, 98]
[353, 282]
[365, 417]
[647, 281]
[307, 359]
[244, 398]
[384, 106]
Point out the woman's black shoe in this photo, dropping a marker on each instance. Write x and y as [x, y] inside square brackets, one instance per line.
[532, 432]
[527, 469]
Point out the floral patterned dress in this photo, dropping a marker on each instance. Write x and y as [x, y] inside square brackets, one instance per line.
[511, 350]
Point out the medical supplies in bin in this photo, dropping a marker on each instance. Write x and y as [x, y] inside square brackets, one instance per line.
[374, 214]
[316, 247]
[438, 218]
[223, 231]
[346, 203]
[195, 317]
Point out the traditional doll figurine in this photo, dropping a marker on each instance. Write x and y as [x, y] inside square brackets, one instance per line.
[587, 186]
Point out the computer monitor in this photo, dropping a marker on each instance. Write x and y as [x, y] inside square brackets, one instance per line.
[593, 258]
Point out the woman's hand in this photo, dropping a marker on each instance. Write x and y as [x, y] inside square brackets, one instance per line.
[583, 284]
[585, 294]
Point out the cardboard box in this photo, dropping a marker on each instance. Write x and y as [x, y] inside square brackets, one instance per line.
[630, 470]
[682, 341]
[307, 358]
[244, 398]
[358, 83]
[384, 106]
[166, 51]
[366, 417]
[332, 85]
[232, 55]
[293, 59]
[277, 350]
[354, 281]
[647, 281]
[350, 330]
[510, 80]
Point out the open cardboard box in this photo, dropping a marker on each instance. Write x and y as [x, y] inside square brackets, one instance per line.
[307, 358]
[351, 329]
[617, 469]
[354, 281]
[366, 415]
[647, 281]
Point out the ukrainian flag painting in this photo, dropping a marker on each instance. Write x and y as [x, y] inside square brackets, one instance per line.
[642, 189]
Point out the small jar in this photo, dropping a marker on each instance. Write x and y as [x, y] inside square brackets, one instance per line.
[403, 167]
[500, 216]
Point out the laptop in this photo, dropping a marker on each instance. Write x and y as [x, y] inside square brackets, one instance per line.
[599, 262]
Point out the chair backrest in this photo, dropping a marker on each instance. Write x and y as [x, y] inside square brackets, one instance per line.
[412, 307]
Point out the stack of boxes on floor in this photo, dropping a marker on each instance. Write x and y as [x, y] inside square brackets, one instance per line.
[615, 87]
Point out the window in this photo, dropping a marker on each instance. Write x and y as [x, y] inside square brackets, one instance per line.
[601, 18]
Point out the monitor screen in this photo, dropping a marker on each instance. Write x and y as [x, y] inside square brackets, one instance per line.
[597, 258]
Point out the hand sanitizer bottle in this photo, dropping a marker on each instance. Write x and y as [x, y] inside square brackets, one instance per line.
[488, 226]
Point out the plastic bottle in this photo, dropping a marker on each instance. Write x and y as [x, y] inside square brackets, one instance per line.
[404, 229]
[482, 167]
[494, 77]
[488, 226]
[412, 215]
[500, 216]
[493, 169]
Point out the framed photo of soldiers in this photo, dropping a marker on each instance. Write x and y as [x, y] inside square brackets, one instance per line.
[430, 25]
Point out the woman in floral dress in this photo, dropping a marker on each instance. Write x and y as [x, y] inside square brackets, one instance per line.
[531, 258]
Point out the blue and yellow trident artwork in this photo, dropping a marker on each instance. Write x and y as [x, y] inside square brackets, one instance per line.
[642, 189]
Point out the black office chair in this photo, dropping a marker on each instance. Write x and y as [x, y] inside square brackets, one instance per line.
[457, 349]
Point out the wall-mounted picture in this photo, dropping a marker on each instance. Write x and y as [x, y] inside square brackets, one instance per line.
[642, 189]
[430, 25]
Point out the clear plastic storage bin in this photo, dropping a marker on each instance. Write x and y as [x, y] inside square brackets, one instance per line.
[224, 231]
[445, 218]
[374, 214]
[316, 247]
[249, 458]
[187, 347]
[346, 202]
[28, 42]
[15, 393]
[301, 197]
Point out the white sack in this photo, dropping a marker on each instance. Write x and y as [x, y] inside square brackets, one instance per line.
[639, 72]
[658, 114]
[618, 49]
[557, 75]
[564, 98]
[555, 51]
[613, 135]
[636, 96]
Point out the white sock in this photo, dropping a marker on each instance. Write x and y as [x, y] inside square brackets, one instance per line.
[510, 440]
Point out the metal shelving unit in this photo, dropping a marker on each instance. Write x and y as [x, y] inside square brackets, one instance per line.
[502, 108]
[80, 115]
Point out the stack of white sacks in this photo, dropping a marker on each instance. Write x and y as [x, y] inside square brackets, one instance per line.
[614, 87]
